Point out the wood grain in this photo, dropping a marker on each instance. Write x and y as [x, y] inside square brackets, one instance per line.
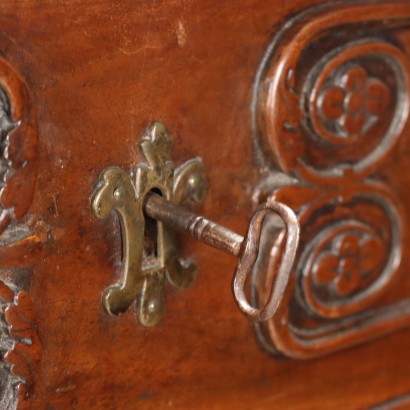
[98, 73]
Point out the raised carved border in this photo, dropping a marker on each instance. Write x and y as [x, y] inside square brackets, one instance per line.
[20, 346]
[324, 125]
[18, 146]
[20, 239]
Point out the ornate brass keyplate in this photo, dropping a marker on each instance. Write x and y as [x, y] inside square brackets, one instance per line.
[143, 274]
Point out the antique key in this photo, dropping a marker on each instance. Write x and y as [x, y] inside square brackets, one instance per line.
[155, 189]
[246, 249]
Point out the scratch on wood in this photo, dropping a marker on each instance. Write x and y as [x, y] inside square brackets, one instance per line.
[147, 38]
[181, 34]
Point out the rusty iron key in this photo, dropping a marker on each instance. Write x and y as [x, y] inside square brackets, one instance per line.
[245, 248]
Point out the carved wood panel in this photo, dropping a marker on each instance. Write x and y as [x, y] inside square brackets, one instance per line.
[21, 239]
[19, 346]
[18, 143]
[98, 72]
[329, 124]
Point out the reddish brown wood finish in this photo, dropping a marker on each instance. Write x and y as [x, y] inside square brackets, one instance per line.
[331, 123]
[98, 73]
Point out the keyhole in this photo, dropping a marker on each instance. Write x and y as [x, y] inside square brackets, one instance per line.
[151, 235]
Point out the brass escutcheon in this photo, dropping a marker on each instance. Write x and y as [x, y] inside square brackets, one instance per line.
[144, 272]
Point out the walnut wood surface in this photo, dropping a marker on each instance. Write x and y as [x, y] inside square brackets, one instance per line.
[331, 123]
[98, 73]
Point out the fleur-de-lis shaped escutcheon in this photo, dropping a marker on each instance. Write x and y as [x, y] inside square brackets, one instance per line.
[145, 267]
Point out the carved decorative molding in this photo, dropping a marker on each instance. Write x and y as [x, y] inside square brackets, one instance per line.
[20, 346]
[395, 403]
[20, 244]
[18, 146]
[330, 104]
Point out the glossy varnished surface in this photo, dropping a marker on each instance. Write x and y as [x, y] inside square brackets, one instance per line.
[98, 73]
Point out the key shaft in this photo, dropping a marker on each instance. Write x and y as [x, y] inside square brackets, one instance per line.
[198, 227]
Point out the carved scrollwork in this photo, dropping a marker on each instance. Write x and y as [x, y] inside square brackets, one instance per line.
[357, 90]
[350, 257]
[18, 146]
[345, 118]
[329, 123]
[20, 346]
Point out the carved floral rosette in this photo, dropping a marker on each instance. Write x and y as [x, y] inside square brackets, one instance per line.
[331, 102]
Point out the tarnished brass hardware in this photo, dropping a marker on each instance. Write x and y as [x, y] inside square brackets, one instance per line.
[143, 274]
[144, 269]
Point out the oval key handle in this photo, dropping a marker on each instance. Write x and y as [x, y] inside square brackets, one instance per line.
[249, 254]
[246, 249]
[144, 271]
